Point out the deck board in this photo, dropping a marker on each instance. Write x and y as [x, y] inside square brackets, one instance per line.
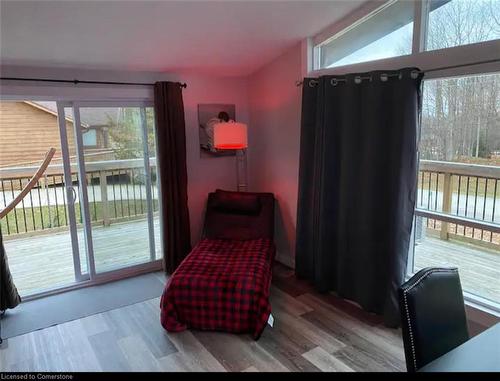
[44, 261]
[479, 268]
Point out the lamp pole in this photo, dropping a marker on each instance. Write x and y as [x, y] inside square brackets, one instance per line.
[241, 170]
[233, 136]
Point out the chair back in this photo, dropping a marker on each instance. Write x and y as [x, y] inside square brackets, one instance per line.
[239, 215]
[432, 315]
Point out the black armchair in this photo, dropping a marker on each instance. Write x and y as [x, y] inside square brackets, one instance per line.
[432, 315]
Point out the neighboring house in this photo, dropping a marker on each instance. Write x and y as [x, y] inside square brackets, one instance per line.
[29, 129]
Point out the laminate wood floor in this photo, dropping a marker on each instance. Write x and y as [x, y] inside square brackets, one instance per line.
[312, 332]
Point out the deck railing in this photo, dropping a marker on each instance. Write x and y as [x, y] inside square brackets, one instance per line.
[116, 191]
[455, 200]
[460, 201]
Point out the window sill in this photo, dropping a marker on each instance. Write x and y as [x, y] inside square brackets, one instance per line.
[481, 304]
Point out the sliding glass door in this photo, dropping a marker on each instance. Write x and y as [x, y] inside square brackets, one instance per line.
[115, 161]
[97, 214]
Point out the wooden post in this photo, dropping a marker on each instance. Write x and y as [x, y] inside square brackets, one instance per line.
[447, 198]
[45, 187]
[104, 197]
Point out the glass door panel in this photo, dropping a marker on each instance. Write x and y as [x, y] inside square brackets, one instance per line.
[155, 186]
[38, 236]
[114, 141]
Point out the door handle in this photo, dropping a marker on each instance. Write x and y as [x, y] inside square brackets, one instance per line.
[73, 193]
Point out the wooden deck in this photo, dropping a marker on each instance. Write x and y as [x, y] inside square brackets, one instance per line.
[45, 261]
[479, 268]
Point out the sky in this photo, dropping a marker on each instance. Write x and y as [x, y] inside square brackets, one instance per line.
[388, 46]
[391, 44]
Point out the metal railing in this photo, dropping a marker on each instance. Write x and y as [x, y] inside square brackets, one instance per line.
[460, 200]
[116, 191]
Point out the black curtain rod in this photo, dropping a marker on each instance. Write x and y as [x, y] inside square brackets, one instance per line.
[76, 81]
[298, 83]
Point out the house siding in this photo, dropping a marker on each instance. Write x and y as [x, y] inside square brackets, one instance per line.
[27, 133]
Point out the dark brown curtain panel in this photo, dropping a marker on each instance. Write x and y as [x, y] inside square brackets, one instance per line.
[357, 185]
[171, 138]
[9, 297]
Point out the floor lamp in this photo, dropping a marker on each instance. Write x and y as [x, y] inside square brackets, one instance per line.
[233, 136]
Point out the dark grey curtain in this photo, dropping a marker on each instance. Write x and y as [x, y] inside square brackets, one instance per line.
[9, 297]
[171, 138]
[357, 184]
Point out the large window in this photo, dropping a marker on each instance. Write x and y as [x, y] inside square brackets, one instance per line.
[392, 31]
[459, 178]
[386, 32]
[462, 22]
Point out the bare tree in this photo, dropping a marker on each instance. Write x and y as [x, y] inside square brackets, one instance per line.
[460, 118]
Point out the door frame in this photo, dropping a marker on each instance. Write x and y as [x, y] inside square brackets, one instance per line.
[70, 194]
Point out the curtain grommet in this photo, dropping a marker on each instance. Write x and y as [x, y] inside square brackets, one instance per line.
[414, 74]
[357, 80]
[312, 83]
[334, 82]
[384, 77]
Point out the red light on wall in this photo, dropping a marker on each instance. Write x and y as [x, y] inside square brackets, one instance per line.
[230, 135]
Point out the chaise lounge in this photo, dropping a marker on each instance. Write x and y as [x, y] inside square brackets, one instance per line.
[223, 284]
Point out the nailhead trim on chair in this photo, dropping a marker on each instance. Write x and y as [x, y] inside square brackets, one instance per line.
[405, 291]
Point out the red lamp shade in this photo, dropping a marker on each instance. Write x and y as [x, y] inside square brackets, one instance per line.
[231, 135]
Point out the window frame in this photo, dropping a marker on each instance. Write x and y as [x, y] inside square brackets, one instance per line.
[365, 15]
[477, 58]
[419, 57]
[475, 300]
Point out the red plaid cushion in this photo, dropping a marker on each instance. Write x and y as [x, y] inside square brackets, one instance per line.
[222, 285]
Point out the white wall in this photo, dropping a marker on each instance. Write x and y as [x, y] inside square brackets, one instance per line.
[204, 174]
[208, 173]
[274, 142]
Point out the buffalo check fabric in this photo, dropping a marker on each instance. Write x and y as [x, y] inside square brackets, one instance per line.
[222, 285]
